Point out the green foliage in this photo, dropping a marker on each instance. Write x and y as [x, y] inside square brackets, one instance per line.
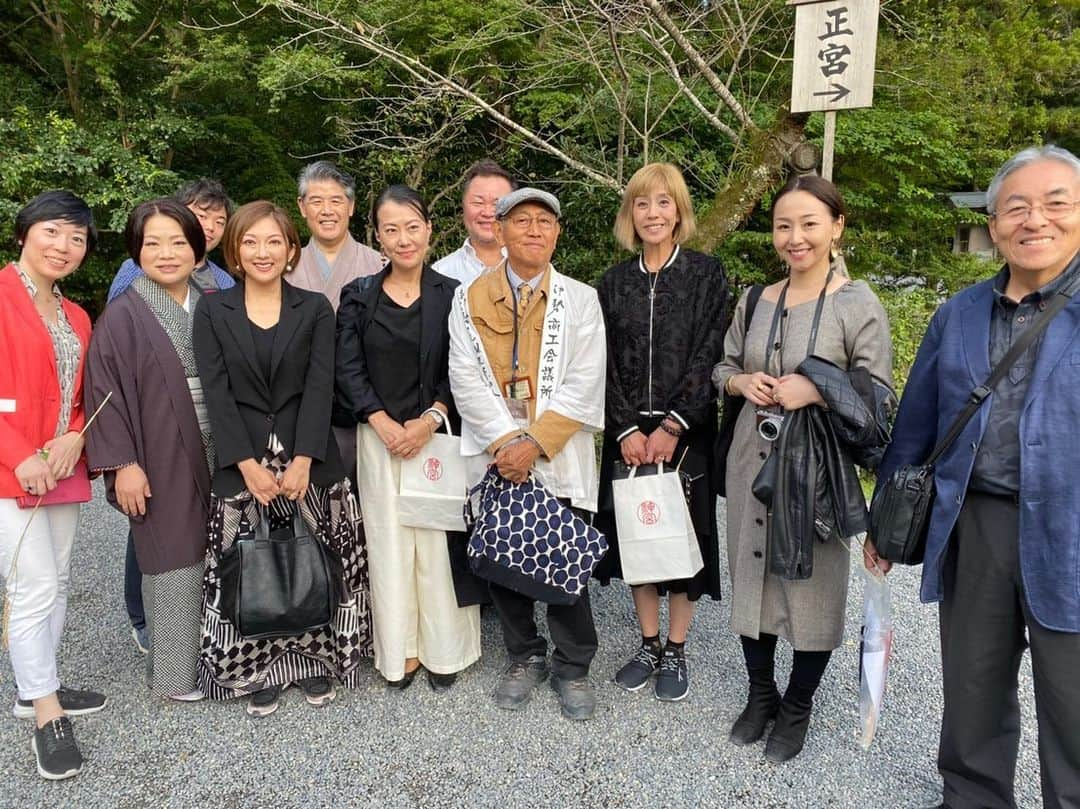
[135, 98]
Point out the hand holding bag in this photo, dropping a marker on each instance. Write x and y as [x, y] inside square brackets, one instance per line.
[75, 488]
[279, 583]
[434, 484]
[524, 539]
[657, 540]
[901, 508]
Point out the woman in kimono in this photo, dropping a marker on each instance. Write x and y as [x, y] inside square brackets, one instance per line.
[265, 352]
[852, 330]
[393, 380]
[153, 440]
[664, 315]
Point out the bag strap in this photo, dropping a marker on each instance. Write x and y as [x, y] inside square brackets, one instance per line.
[262, 529]
[979, 394]
[752, 298]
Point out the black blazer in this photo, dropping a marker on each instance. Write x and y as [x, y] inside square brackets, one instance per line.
[244, 406]
[355, 397]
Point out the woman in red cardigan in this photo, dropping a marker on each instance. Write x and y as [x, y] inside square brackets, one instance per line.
[44, 339]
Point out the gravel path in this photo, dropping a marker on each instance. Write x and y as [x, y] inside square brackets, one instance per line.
[387, 749]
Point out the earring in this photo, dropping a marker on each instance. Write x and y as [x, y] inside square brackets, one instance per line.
[834, 249]
[288, 267]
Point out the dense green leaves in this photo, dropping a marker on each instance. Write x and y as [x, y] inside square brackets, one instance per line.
[121, 100]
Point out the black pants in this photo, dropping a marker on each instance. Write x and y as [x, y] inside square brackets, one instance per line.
[133, 586]
[572, 632]
[984, 616]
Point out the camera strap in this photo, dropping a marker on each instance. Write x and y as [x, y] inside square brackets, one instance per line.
[775, 344]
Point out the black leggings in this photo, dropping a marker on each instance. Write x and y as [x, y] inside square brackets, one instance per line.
[807, 668]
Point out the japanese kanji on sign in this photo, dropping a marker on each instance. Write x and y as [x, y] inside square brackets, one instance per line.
[835, 48]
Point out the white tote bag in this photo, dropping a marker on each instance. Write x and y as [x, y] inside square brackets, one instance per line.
[657, 540]
[433, 485]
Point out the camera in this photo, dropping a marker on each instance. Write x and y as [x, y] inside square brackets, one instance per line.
[769, 422]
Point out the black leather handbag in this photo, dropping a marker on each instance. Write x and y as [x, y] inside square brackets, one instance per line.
[901, 508]
[279, 583]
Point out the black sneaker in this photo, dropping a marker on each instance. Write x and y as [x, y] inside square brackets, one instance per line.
[635, 674]
[672, 682]
[318, 690]
[265, 702]
[73, 703]
[54, 747]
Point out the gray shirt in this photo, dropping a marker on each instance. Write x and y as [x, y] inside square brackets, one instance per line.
[997, 461]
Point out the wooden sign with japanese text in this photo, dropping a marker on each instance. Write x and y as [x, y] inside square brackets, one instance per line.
[835, 48]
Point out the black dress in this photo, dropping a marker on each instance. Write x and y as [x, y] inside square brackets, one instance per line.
[665, 332]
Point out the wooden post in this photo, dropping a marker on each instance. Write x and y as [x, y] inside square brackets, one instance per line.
[829, 145]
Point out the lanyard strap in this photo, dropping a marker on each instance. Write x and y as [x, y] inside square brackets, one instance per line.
[514, 355]
[778, 314]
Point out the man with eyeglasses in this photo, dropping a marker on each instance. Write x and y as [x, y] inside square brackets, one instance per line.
[484, 182]
[527, 371]
[1003, 549]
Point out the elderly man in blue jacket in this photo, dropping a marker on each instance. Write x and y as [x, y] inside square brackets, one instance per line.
[1003, 550]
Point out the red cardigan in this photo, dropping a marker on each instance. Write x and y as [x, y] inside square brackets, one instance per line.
[29, 390]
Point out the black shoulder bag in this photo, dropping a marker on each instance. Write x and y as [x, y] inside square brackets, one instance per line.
[901, 508]
[731, 406]
[279, 583]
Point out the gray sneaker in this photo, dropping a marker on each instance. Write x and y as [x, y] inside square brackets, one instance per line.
[576, 697]
[518, 681]
[673, 681]
[635, 675]
[72, 701]
[54, 747]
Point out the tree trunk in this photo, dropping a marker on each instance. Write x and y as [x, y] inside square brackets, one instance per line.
[765, 165]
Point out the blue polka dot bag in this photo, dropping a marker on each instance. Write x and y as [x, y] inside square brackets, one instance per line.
[522, 538]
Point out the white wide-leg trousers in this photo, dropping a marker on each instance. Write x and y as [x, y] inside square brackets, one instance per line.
[414, 609]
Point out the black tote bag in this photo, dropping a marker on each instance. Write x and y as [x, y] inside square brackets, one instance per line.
[279, 583]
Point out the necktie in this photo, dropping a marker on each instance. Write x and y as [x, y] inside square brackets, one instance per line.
[525, 293]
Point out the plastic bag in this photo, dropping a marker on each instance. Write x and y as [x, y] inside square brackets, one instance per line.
[875, 651]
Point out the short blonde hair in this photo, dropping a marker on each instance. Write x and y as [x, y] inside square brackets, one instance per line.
[646, 180]
[243, 220]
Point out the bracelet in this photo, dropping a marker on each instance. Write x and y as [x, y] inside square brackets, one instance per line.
[674, 433]
[729, 389]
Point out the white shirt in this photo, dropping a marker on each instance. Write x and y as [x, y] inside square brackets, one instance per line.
[462, 265]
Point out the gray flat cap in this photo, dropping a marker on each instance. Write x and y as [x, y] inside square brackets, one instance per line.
[515, 198]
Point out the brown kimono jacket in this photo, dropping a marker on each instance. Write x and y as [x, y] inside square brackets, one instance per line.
[352, 261]
[151, 421]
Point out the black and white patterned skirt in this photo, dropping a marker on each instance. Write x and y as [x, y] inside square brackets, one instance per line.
[231, 665]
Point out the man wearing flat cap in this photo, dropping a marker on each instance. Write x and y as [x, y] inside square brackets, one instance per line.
[527, 370]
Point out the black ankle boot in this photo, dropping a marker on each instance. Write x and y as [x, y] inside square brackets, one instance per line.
[761, 706]
[792, 721]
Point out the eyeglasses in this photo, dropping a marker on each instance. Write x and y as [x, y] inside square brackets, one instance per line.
[524, 222]
[1054, 210]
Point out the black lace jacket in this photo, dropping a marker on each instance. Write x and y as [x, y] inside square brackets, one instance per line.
[663, 367]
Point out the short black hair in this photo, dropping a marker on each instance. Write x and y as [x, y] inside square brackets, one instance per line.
[486, 168]
[205, 193]
[402, 195]
[175, 210]
[62, 206]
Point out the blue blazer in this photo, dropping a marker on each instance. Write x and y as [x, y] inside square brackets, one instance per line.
[955, 357]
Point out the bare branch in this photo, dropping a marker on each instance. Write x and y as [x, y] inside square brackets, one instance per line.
[429, 77]
[699, 63]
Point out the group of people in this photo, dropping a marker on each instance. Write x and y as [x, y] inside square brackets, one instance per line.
[300, 379]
